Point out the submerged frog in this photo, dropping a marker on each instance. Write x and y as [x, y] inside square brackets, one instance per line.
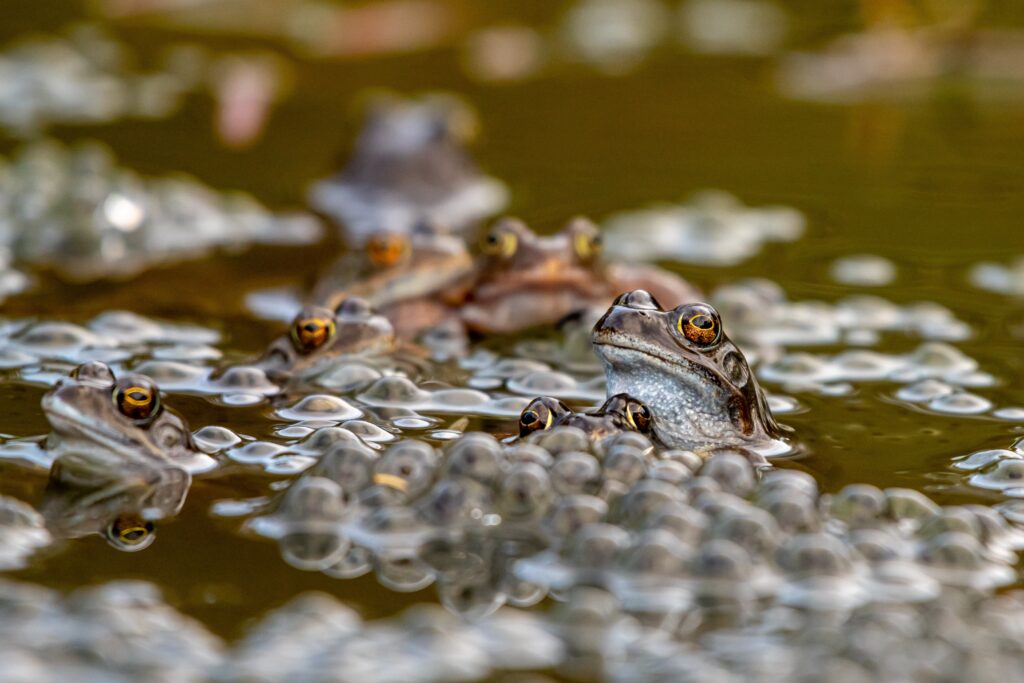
[525, 280]
[410, 164]
[619, 413]
[318, 337]
[681, 363]
[121, 458]
[415, 280]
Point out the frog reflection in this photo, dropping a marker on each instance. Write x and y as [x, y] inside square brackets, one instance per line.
[122, 460]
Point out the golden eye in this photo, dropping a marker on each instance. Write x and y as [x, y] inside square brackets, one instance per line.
[137, 399]
[535, 417]
[129, 532]
[638, 415]
[587, 245]
[387, 250]
[700, 324]
[311, 330]
[500, 242]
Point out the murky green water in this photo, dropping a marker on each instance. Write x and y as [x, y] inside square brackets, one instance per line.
[934, 185]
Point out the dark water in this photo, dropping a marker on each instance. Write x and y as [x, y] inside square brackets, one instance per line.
[935, 185]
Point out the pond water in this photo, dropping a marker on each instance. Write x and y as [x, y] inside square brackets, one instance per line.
[934, 184]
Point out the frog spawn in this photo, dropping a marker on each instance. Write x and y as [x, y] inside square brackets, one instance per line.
[670, 537]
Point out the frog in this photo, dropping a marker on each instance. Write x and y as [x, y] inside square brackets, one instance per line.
[121, 458]
[414, 279]
[619, 413]
[525, 280]
[683, 366]
[319, 335]
[409, 163]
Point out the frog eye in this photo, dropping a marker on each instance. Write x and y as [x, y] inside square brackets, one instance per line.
[700, 324]
[586, 239]
[130, 533]
[311, 330]
[137, 399]
[539, 415]
[501, 242]
[638, 415]
[387, 249]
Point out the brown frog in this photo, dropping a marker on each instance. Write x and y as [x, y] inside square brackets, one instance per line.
[685, 368]
[320, 335]
[619, 413]
[415, 280]
[525, 280]
[410, 164]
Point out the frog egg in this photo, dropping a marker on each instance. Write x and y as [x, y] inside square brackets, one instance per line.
[628, 440]
[476, 455]
[368, 432]
[243, 379]
[716, 504]
[699, 486]
[575, 472]
[562, 440]
[687, 523]
[625, 464]
[472, 594]
[814, 554]
[612, 490]
[348, 464]
[689, 459]
[980, 460]
[321, 440]
[863, 270]
[522, 594]
[407, 466]
[312, 500]
[569, 514]
[797, 368]
[321, 408]
[878, 545]
[909, 505]
[722, 560]
[403, 574]
[924, 391]
[356, 562]
[858, 505]
[957, 559]
[951, 519]
[214, 439]
[960, 403]
[526, 452]
[453, 502]
[997, 535]
[656, 552]
[793, 512]
[395, 390]
[525, 492]
[732, 471]
[635, 508]
[1007, 475]
[670, 471]
[752, 529]
[596, 546]
[862, 365]
[312, 550]
[381, 495]
[937, 359]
